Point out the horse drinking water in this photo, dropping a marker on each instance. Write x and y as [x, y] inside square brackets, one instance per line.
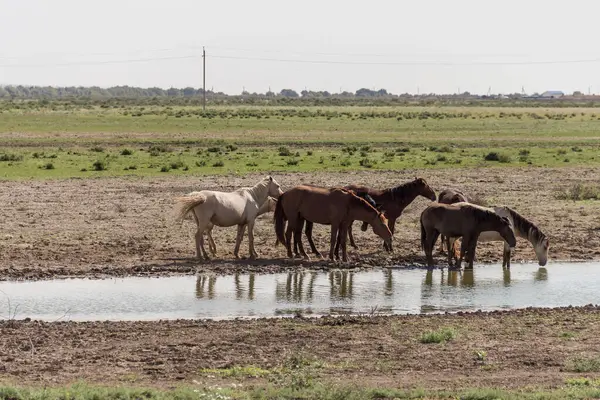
[461, 220]
[225, 209]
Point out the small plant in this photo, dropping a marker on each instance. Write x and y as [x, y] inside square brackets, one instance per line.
[441, 158]
[480, 355]
[365, 148]
[219, 163]
[100, 165]
[445, 149]
[292, 161]
[577, 149]
[177, 165]
[561, 152]
[201, 163]
[214, 149]
[567, 335]
[97, 149]
[346, 162]
[126, 152]
[439, 336]
[231, 147]
[524, 153]
[309, 153]
[402, 150]
[284, 151]
[165, 168]
[495, 156]
[48, 166]
[321, 160]
[252, 164]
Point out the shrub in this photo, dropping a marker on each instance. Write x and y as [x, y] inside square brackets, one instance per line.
[577, 149]
[219, 163]
[495, 156]
[231, 147]
[11, 157]
[126, 152]
[524, 152]
[47, 166]
[346, 162]
[201, 163]
[100, 165]
[284, 151]
[367, 163]
[97, 149]
[165, 168]
[177, 165]
[309, 153]
[292, 161]
[214, 149]
[579, 191]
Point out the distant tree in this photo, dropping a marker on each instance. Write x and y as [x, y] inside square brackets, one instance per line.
[577, 93]
[188, 91]
[288, 93]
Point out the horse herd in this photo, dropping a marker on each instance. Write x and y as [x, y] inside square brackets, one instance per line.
[452, 215]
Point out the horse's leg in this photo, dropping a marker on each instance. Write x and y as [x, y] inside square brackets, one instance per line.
[471, 252]
[450, 242]
[238, 239]
[333, 240]
[308, 232]
[211, 243]
[298, 240]
[442, 240]
[430, 236]
[288, 237]
[506, 256]
[466, 241]
[392, 226]
[253, 253]
[351, 236]
[342, 236]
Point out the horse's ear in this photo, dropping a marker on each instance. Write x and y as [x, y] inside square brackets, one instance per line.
[270, 178]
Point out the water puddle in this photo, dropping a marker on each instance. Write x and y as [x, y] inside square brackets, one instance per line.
[394, 291]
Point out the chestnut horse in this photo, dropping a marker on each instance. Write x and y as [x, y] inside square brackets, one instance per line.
[328, 206]
[461, 220]
[391, 202]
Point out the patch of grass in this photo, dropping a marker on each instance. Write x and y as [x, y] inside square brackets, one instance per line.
[249, 371]
[367, 163]
[165, 168]
[583, 364]
[177, 165]
[214, 149]
[97, 149]
[126, 152]
[48, 166]
[578, 191]
[567, 335]
[292, 162]
[495, 156]
[439, 336]
[231, 147]
[219, 163]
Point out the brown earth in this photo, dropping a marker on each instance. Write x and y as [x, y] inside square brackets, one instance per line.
[124, 226]
[524, 348]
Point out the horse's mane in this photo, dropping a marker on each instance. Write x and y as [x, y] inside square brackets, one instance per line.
[525, 226]
[404, 189]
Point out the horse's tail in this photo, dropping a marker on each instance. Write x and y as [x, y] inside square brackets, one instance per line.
[280, 219]
[186, 204]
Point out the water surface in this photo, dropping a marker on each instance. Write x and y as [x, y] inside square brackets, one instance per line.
[395, 291]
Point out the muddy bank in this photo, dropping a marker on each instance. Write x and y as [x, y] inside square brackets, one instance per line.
[533, 347]
[124, 226]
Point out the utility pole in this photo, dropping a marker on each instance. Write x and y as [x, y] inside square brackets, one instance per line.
[203, 79]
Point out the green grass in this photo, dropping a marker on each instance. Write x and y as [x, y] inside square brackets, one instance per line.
[580, 389]
[235, 140]
[579, 191]
[439, 336]
[583, 364]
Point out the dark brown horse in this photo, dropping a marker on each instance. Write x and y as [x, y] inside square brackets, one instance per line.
[391, 202]
[327, 206]
[461, 220]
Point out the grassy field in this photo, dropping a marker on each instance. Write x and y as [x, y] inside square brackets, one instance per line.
[60, 141]
[300, 387]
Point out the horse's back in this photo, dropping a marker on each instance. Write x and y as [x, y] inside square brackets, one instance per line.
[316, 204]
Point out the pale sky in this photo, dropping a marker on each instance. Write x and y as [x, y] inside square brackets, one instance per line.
[404, 46]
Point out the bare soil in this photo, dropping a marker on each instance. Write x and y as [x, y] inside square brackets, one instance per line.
[124, 226]
[524, 348]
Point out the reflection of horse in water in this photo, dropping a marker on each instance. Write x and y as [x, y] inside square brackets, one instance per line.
[201, 290]
[341, 284]
[294, 289]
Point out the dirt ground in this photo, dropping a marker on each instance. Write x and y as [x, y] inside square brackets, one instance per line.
[524, 348]
[124, 226]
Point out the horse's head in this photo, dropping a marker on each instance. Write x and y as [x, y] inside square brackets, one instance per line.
[274, 190]
[506, 231]
[541, 250]
[424, 189]
[272, 204]
[380, 228]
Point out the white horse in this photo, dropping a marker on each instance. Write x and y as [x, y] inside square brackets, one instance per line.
[268, 206]
[522, 228]
[225, 209]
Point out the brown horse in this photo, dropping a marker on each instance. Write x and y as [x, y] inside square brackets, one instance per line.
[390, 201]
[327, 206]
[450, 196]
[461, 220]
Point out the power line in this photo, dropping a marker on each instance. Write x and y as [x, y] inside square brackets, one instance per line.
[98, 62]
[416, 63]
